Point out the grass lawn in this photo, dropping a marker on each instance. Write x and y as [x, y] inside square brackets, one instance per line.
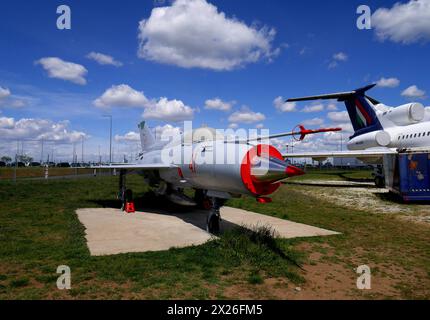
[39, 230]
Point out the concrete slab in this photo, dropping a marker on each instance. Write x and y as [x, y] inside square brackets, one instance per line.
[284, 228]
[110, 231]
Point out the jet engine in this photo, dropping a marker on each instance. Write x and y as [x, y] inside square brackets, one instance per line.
[406, 114]
[370, 140]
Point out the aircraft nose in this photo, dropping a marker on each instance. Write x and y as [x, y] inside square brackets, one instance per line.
[272, 170]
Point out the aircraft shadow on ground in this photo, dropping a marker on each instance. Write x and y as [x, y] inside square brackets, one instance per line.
[160, 205]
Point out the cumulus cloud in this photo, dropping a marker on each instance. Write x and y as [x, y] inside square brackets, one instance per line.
[318, 107]
[403, 23]
[160, 109]
[413, 92]
[246, 115]
[341, 116]
[7, 123]
[283, 106]
[9, 100]
[340, 56]
[193, 33]
[167, 131]
[103, 59]
[64, 70]
[168, 110]
[233, 126]
[218, 104]
[337, 58]
[4, 93]
[313, 122]
[38, 129]
[128, 137]
[388, 82]
[121, 96]
[331, 106]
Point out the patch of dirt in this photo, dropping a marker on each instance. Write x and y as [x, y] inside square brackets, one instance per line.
[366, 199]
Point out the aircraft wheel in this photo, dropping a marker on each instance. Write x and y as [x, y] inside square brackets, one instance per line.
[213, 222]
[379, 182]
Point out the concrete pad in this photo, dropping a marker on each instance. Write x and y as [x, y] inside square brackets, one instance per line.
[284, 228]
[111, 231]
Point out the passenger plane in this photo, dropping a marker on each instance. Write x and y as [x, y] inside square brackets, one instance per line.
[378, 129]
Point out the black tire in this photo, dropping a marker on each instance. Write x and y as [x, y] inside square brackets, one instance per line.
[380, 182]
[213, 223]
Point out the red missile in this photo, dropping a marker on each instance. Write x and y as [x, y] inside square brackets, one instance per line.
[300, 135]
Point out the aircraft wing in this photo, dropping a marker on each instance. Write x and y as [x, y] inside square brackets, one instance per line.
[341, 154]
[151, 166]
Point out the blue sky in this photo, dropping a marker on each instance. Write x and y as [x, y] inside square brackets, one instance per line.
[317, 48]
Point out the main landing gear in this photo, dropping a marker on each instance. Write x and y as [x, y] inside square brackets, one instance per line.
[124, 194]
[212, 205]
[214, 217]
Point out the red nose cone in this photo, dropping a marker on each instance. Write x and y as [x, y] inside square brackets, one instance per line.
[294, 171]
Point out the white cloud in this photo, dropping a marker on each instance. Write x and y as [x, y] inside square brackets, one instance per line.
[167, 131]
[341, 116]
[4, 92]
[103, 59]
[121, 96]
[168, 110]
[413, 92]
[7, 123]
[346, 127]
[193, 33]
[128, 137]
[388, 82]
[218, 104]
[38, 129]
[233, 126]
[403, 23]
[246, 115]
[332, 107]
[9, 100]
[64, 70]
[313, 122]
[337, 58]
[283, 106]
[340, 56]
[313, 108]
[162, 109]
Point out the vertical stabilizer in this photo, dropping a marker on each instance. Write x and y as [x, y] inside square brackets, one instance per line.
[146, 137]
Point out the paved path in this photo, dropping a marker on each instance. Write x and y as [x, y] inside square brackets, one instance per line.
[110, 231]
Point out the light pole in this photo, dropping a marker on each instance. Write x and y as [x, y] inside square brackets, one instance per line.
[110, 137]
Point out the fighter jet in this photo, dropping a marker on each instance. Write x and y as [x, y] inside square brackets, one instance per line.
[216, 166]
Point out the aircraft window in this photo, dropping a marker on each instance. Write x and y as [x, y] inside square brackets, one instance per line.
[399, 138]
[419, 134]
[428, 133]
[424, 134]
[415, 135]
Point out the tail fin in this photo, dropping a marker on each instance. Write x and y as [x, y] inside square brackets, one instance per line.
[361, 109]
[146, 137]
